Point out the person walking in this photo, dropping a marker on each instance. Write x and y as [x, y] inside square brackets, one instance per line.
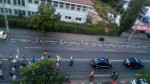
[1, 74]
[67, 78]
[49, 56]
[11, 74]
[91, 76]
[57, 66]
[45, 53]
[115, 75]
[58, 58]
[33, 59]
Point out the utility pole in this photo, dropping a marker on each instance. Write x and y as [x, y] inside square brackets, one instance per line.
[6, 21]
[135, 28]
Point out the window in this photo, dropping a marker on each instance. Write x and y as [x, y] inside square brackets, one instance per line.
[29, 13]
[18, 2]
[15, 2]
[30, 1]
[23, 13]
[79, 19]
[43, 1]
[84, 8]
[1, 10]
[55, 4]
[16, 12]
[8, 1]
[36, 1]
[23, 3]
[49, 1]
[72, 7]
[6, 10]
[67, 6]
[78, 8]
[61, 5]
[4, 1]
[67, 17]
[0, 1]
[10, 11]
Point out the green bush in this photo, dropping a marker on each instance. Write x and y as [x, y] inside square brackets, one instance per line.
[101, 39]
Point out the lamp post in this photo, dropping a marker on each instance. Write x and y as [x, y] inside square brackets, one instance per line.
[6, 21]
[135, 28]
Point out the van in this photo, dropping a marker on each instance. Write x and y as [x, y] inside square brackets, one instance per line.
[3, 35]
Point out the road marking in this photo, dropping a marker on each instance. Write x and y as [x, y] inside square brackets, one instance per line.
[74, 49]
[109, 50]
[140, 51]
[32, 47]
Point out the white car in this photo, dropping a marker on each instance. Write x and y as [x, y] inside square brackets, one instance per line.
[140, 82]
[3, 35]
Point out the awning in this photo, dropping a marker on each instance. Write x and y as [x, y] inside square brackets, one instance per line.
[141, 28]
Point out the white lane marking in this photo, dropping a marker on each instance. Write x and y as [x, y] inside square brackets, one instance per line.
[32, 47]
[13, 41]
[7, 38]
[74, 49]
[87, 60]
[109, 50]
[141, 51]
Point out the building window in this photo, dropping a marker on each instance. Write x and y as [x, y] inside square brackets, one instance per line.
[55, 4]
[67, 17]
[29, 13]
[16, 12]
[23, 12]
[78, 8]
[23, 3]
[0, 1]
[67, 6]
[30, 1]
[43, 1]
[79, 19]
[72, 7]
[6, 10]
[1, 10]
[15, 2]
[84, 8]
[10, 11]
[61, 5]
[36, 1]
[18, 2]
[8, 1]
[49, 1]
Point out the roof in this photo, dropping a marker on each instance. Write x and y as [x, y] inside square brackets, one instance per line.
[86, 2]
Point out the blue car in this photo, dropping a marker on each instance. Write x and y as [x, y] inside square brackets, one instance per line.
[133, 63]
[145, 20]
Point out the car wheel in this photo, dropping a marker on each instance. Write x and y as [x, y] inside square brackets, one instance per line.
[96, 67]
[108, 66]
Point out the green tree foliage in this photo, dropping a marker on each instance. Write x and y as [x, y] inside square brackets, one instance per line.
[144, 75]
[46, 19]
[129, 16]
[42, 72]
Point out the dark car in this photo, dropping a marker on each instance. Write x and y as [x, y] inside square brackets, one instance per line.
[133, 62]
[100, 62]
[148, 35]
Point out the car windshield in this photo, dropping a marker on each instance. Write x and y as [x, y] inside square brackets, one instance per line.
[3, 33]
[96, 60]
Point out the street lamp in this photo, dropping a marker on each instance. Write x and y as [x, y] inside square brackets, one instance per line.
[6, 21]
[135, 28]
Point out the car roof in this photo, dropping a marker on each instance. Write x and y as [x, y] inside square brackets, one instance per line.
[101, 60]
[134, 60]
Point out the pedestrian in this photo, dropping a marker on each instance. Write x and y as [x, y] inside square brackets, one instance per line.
[58, 58]
[67, 78]
[49, 56]
[57, 66]
[33, 59]
[13, 69]
[11, 74]
[45, 53]
[91, 76]
[14, 77]
[21, 67]
[1, 74]
[57, 55]
[115, 77]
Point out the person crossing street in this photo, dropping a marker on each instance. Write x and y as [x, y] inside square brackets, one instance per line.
[91, 76]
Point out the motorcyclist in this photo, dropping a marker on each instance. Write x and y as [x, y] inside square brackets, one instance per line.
[71, 60]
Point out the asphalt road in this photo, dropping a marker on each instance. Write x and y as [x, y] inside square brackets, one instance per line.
[82, 51]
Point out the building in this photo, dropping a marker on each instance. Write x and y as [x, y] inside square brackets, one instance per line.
[70, 10]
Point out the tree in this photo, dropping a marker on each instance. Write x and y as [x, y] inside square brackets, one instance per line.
[42, 72]
[144, 75]
[45, 20]
[129, 16]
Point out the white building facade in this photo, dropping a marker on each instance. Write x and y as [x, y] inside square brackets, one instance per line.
[75, 11]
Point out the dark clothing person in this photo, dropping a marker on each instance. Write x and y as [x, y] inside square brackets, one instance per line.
[49, 56]
[1, 74]
[91, 76]
[11, 74]
[33, 59]
[68, 78]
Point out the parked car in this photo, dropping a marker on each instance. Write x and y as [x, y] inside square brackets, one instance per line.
[138, 82]
[3, 35]
[101, 62]
[133, 63]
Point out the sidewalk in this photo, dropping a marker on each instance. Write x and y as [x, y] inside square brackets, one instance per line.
[137, 37]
